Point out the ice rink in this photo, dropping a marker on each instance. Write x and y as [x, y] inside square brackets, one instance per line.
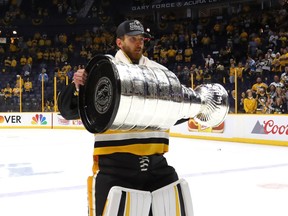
[43, 173]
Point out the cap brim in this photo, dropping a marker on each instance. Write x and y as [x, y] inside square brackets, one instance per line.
[134, 33]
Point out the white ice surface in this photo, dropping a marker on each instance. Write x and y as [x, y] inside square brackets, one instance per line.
[43, 172]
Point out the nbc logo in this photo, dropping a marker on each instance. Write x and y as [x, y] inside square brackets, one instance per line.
[39, 119]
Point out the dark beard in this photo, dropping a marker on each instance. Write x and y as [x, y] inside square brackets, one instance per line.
[130, 55]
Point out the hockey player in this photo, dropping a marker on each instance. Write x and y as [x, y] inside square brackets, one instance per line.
[129, 165]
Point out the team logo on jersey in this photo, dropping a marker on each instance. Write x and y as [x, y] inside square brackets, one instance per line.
[39, 119]
[103, 95]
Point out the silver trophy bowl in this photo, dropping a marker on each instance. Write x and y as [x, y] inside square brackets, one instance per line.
[120, 96]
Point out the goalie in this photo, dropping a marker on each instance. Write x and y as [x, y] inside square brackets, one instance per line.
[130, 174]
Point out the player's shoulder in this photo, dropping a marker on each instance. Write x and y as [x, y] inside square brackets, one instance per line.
[150, 63]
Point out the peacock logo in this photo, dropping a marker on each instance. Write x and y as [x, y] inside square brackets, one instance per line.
[39, 119]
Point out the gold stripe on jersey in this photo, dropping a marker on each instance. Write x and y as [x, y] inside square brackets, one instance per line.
[137, 149]
[91, 195]
[177, 202]
[128, 202]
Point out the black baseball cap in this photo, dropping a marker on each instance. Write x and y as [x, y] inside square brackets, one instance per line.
[131, 28]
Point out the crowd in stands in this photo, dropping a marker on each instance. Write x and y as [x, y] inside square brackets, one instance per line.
[246, 52]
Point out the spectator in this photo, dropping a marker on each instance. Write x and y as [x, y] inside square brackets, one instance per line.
[16, 94]
[71, 72]
[252, 47]
[171, 54]
[259, 84]
[252, 63]
[283, 59]
[26, 70]
[28, 86]
[39, 55]
[276, 82]
[232, 73]
[43, 77]
[58, 56]
[232, 101]
[206, 41]
[244, 37]
[8, 92]
[179, 56]
[48, 106]
[188, 52]
[2, 101]
[83, 54]
[7, 64]
[207, 74]
[163, 56]
[199, 75]
[250, 103]
[275, 64]
[262, 101]
[209, 62]
[279, 105]
[179, 73]
[23, 61]
[286, 96]
[156, 52]
[241, 103]
[220, 74]
[266, 64]
[186, 76]
[30, 60]
[2, 53]
[239, 73]
[272, 93]
[284, 76]
[247, 76]
[46, 56]
[193, 71]
[51, 55]
[273, 39]
[193, 40]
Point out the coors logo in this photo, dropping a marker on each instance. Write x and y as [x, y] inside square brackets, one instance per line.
[269, 127]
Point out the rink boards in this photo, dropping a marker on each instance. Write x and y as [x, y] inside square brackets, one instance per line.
[261, 129]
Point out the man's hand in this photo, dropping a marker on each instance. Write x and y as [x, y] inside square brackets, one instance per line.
[79, 78]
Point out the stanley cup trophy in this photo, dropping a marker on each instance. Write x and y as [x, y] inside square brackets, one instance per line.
[120, 96]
